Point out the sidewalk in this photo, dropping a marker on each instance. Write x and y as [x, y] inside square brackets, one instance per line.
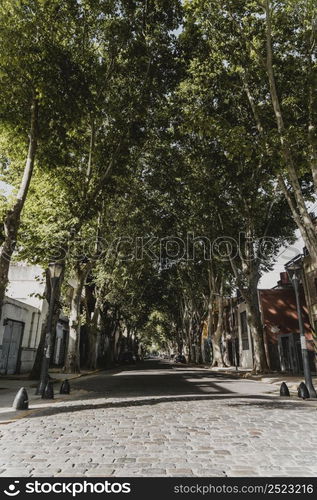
[274, 378]
[9, 386]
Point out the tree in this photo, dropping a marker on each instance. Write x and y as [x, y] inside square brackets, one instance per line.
[269, 49]
[121, 113]
[39, 87]
[230, 176]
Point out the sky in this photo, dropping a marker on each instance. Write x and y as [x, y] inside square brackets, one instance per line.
[269, 280]
[5, 189]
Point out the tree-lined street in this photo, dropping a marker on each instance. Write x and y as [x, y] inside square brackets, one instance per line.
[157, 419]
[158, 158]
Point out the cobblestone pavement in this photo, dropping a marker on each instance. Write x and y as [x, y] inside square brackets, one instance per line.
[164, 421]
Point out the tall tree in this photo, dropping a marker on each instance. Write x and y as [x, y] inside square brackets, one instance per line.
[269, 50]
[39, 85]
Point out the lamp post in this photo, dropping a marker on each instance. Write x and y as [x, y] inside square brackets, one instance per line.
[294, 272]
[55, 271]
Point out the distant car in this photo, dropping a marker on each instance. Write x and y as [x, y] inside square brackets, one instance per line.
[127, 357]
[180, 358]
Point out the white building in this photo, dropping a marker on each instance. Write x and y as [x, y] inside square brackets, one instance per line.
[23, 313]
[24, 310]
[245, 338]
[27, 284]
[20, 331]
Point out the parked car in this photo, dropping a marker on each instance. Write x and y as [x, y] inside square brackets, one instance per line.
[180, 358]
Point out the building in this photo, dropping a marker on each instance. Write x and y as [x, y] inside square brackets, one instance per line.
[20, 330]
[310, 286]
[281, 329]
[23, 313]
[27, 284]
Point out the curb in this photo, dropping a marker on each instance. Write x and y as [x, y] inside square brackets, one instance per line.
[79, 375]
[31, 411]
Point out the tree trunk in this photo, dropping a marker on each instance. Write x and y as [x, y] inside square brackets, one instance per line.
[216, 286]
[36, 370]
[217, 335]
[226, 358]
[12, 218]
[72, 363]
[302, 217]
[260, 364]
[94, 337]
[199, 350]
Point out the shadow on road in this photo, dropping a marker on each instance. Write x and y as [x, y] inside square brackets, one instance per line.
[263, 402]
[152, 383]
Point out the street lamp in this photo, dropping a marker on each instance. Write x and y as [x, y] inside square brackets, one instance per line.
[55, 271]
[294, 271]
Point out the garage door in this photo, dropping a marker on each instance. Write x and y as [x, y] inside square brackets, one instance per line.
[11, 345]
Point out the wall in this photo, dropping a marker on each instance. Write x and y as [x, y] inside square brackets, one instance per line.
[26, 284]
[31, 319]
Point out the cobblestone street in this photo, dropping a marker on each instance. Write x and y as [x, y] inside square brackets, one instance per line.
[156, 419]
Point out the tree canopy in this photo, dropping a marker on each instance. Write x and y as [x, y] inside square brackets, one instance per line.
[163, 152]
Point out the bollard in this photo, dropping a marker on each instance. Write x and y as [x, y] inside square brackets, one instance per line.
[65, 387]
[48, 391]
[284, 390]
[302, 391]
[40, 388]
[21, 400]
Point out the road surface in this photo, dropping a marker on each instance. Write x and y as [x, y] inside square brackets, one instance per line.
[156, 419]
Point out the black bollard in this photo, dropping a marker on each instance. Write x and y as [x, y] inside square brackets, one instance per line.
[65, 387]
[284, 390]
[21, 400]
[302, 391]
[299, 388]
[48, 391]
[40, 388]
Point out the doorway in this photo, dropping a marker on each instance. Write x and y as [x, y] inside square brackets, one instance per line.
[288, 354]
[12, 338]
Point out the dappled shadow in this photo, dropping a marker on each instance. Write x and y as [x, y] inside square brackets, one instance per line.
[152, 379]
[157, 382]
[277, 404]
[258, 400]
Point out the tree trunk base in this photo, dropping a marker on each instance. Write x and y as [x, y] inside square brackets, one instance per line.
[260, 371]
[217, 364]
[71, 367]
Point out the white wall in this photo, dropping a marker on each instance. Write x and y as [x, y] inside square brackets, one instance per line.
[246, 357]
[26, 284]
[31, 318]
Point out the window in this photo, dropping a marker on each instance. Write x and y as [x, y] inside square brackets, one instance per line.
[244, 331]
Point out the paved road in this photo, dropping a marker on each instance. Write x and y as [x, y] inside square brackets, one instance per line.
[159, 420]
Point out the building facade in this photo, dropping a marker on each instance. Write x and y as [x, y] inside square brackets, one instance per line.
[23, 314]
[20, 330]
[281, 329]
